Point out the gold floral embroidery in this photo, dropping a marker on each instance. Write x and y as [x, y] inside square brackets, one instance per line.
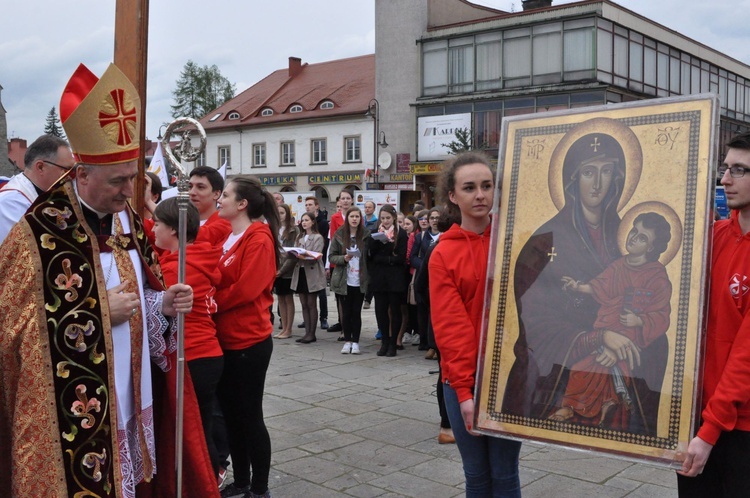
[116, 240]
[156, 270]
[48, 241]
[70, 436]
[62, 370]
[68, 280]
[60, 216]
[95, 356]
[52, 308]
[78, 332]
[95, 461]
[79, 235]
[83, 406]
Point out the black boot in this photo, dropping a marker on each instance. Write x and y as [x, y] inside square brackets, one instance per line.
[383, 346]
[392, 345]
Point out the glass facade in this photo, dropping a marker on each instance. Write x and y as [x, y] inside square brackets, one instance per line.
[589, 50]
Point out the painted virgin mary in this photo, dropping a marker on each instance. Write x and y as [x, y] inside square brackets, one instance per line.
[556, 328]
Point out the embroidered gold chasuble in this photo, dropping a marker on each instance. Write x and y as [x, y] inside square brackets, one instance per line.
[58, 409]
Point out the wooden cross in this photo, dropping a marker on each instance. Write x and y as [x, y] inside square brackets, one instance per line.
[131, 56]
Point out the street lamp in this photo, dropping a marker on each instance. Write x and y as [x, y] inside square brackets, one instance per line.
[373, 111]
[160, 136]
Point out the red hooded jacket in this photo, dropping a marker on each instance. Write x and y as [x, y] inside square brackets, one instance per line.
[248, 271]
[215, 230]
[458, 276]
[202, 274]
[726, 373]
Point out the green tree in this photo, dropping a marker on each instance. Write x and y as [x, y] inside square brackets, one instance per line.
[200, 90]
[52, 124]
[463, 142]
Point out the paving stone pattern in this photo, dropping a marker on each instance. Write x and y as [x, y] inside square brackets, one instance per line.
[366, 426]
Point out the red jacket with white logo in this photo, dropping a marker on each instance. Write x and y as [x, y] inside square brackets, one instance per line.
[248, 271]
[726, 375]
[202, 274]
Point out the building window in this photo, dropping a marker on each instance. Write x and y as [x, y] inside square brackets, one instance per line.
[214, 117]
[352, 152]
[461, 65]
[319, 154]
[259, 155]
[266, 112]
[287, 153]
[234, 115]
[435, 67]
[326, 105]
[225, 156]
[489, 61]
[517, 57]
[295, 108]
[201, 161]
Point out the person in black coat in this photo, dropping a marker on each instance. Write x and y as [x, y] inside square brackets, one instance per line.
[387, 268]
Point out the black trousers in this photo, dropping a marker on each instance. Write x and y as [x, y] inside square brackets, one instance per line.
[241, 398]
[385, 301]
[727, 471]
[205, 374]
[323, 305]
[351, 307]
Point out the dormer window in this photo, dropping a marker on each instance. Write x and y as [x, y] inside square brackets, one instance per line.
[295, 108]
[326, 105]
[266, 112]
[234, 115]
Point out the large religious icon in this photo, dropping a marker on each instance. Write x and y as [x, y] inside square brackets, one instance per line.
[594, 315]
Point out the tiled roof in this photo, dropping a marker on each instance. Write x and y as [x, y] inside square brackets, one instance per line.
[348, 83]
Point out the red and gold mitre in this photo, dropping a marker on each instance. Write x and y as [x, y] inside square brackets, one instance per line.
[101, 117]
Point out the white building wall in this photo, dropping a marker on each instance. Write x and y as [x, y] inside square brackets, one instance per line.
[241, 143]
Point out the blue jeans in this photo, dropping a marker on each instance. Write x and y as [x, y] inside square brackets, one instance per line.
[490, 463]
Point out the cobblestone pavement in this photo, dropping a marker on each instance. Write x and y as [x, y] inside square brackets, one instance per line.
[366, 426]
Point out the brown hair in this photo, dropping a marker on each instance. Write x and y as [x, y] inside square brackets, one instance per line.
[260, 202]
[392, 211]
[168, 212]
[447, 181]
[313, 226]
[360, 234]
[289, 219]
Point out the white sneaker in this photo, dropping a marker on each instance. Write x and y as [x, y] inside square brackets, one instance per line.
[407, 339]
[415, 339]
[347, 348]
[355, 348]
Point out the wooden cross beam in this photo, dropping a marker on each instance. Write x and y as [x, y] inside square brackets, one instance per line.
[131, 56]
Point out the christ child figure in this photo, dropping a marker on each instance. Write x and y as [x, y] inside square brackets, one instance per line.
[634, 294]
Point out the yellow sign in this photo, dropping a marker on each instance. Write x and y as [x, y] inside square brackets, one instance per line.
[399, 177]
[425, 169]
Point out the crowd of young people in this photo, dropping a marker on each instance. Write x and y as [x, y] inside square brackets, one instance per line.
[250, 246]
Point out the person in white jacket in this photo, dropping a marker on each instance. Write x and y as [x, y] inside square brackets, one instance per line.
[46, 160]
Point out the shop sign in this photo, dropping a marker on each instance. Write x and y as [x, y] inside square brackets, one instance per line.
[335, 178]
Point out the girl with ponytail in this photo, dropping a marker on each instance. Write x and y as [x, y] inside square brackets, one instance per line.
[248, 269]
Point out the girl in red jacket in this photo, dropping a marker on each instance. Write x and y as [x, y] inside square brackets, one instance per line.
[458, 274]
[248, 270]
[205, 360]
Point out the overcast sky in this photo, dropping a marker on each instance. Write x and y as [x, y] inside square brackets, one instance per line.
[42, 42]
